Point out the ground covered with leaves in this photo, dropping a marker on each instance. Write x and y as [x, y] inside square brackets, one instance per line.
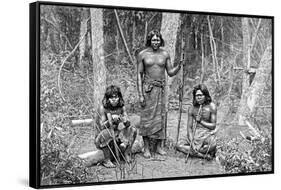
[236, 154]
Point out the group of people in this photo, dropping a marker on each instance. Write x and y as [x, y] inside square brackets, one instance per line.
[115, 134]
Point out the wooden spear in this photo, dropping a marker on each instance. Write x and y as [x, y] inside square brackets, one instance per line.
[193, 134]
[181, 88]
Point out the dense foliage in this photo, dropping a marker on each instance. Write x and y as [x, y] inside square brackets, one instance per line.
[61, 30]
[246, 156]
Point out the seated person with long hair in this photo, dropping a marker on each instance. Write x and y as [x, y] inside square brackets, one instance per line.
[114, 133]
[201, 125]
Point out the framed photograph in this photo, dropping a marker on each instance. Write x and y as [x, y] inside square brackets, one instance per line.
[121, 94]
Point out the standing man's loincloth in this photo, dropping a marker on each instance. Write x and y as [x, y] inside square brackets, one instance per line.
[152, 115]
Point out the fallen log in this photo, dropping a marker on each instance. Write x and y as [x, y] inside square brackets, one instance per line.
[81, 122]
[135, 121]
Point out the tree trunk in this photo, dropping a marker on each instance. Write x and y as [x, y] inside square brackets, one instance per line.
[252, 90]
[145, 33]
[117, 45]
[83, 30]
[134, 31]
[214, 53]
[222, 39]
[253, 93]
[169, 29]
[99, 68]
[202, 59]
[247, 62]
[196, 38]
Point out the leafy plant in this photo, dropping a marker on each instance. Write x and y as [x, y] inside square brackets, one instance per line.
[240, 155]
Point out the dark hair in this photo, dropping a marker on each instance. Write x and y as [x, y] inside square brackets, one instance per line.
[154, 33]
[203, 88]
[109, 92]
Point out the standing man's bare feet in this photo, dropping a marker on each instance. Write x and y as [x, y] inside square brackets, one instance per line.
[159, 148]
[146, 143]
[146, 153]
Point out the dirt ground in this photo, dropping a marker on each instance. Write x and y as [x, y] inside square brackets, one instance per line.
[171, 165]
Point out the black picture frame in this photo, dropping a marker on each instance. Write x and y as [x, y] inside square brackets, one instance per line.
[36, 87]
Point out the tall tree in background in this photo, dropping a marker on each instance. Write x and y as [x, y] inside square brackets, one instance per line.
[214, 52]
[169, 30]
[83, 30]
[247, 63]
[252, 90]
[98, 55]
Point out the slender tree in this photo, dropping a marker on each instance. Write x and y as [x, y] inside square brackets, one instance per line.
[214, 52]
[169, 29]
[252, 90]
[99, 68]
[83, 30]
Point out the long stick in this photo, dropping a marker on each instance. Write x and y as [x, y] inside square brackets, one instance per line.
[165, 126]
[115, 144]
[118, 149]
[117, 161]
[193, 134]
[181, 92]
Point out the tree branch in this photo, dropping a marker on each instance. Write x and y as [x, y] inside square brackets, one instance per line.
[122, 36]
[255, 35]
[151, 18]
[60, 69]
[230, 45]
[63, 34]
[145, 32]
[214, 56]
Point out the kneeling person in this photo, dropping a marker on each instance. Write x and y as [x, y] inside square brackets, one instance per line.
[113, 126]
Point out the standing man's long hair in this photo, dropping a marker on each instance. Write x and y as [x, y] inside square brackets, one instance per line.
[154, 33]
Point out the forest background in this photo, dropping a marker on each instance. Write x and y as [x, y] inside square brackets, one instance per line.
[84, 50]
[20, 79]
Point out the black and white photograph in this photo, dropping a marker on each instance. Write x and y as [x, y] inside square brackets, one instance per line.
[125, 94]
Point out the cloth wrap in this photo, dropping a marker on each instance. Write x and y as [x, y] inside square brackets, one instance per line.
[153, 113]
[202, 137]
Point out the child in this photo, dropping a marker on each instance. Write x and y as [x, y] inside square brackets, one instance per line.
[113, 126]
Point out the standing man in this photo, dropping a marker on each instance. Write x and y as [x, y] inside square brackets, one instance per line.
[152, 62]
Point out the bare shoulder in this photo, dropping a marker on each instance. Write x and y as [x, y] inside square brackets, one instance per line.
[213, 106]
[141, 55]
[143, 52]
[165, 52]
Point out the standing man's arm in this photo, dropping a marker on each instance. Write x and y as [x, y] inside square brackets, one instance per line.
[169, 67]
[140, 73]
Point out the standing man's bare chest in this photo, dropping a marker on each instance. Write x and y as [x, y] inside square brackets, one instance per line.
[154, 59]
